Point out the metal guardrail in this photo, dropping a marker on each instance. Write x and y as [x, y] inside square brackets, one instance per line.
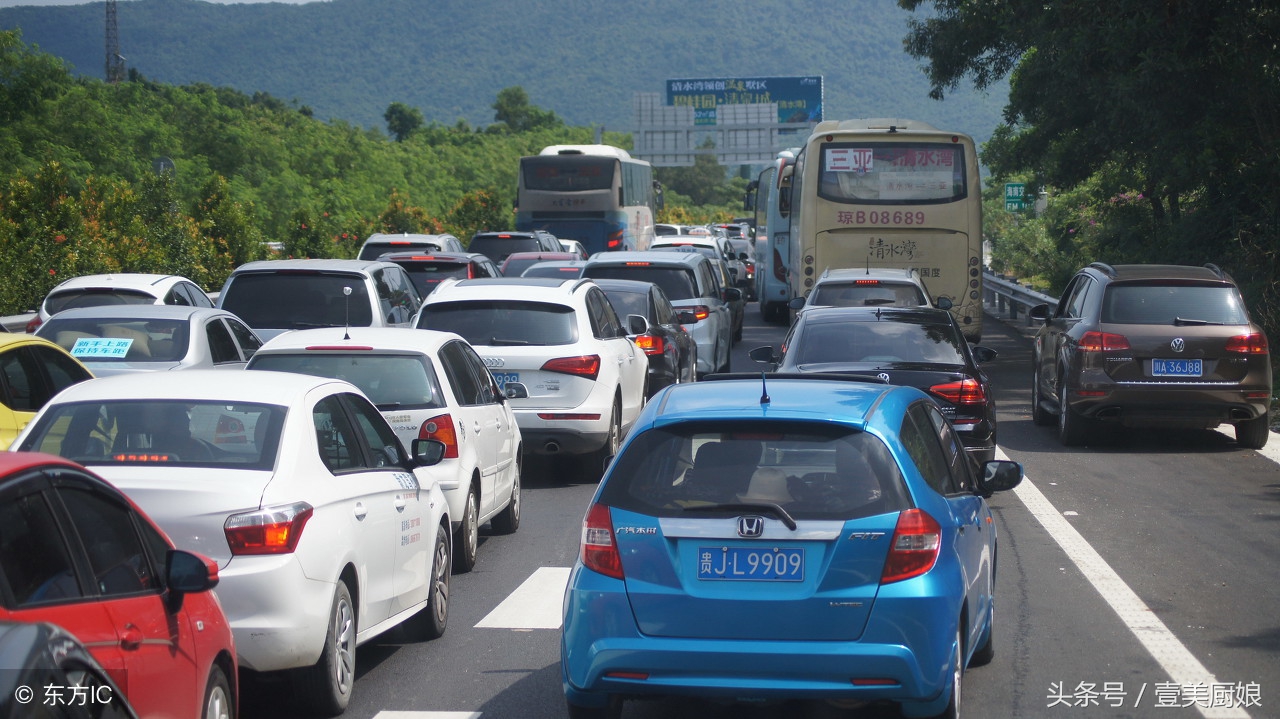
[16, 323]
[1011, 298]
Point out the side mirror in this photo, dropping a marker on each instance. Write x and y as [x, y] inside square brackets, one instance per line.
[796, 303]
[185, 573]
[731, 294]
[983, 354]
[427, 452]
[764, 355]
[1039, 312]
[515, 390]
[944, 303]
[999, 475]
[637, 325]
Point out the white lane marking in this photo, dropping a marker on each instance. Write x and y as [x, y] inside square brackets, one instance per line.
[426, 715]
[1183, 668]
[536, 604]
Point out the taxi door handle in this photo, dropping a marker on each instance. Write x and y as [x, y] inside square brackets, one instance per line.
[131, 637]
[360, 510]
[400, 504]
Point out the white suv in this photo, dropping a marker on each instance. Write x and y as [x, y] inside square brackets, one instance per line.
[562, 341]
[428, 385]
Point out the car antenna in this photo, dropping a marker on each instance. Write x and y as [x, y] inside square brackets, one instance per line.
[764, 389]
[346, 303]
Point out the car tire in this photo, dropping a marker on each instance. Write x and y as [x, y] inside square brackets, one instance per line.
[1254, 433]
[1073, 428]
[611, 710]
[466, 542]
[431, 621]
[983, 655]
[218, 703]
[326, 686]
[957, 681]
[508, 520]
[1039, 415]
[594, 463]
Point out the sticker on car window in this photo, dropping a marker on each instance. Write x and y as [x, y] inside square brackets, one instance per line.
[101, 347]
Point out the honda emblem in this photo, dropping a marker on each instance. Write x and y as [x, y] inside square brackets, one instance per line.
[750, 526]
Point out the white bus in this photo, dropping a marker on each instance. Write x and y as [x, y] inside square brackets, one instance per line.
[773, 246]
[890, 193]
[596, 194]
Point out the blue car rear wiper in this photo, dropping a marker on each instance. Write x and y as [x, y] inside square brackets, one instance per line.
[763, 507]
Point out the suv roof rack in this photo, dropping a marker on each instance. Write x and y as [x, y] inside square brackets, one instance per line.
[1105, 268]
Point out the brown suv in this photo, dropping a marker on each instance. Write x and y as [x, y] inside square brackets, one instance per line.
[1151, 346]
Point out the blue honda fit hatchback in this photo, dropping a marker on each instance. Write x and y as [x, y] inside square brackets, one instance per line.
[807, 538]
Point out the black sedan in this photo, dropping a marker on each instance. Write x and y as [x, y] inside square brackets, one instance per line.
[915, 346]
[672, 351]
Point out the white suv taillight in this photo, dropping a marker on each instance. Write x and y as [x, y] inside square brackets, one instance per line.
[274, 530]
[914, 548]
[599, 547]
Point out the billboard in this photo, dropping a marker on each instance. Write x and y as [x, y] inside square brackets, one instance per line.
[799, 98]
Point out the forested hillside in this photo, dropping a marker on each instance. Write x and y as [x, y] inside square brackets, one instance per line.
[582, 59]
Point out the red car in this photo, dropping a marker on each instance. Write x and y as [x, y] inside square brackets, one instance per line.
[76, 552]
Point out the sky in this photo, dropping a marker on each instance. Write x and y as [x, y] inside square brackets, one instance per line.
[15, 3]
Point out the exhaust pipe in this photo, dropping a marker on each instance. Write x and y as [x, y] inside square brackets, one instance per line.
[551, 447]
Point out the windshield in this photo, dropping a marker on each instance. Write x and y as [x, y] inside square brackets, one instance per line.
[503, 322]
[206, 434]
[426, 275]
[676, 282]
[95, 298]
[810, 470]
[374, 250]
[1162, 304]
[880, 341]
[920, 172]
[298, 300]
[864, 293]
[108, 339]
[567, 173]
[401, 381]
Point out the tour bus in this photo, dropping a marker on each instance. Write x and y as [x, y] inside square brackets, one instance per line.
[772, 248]
[890, 193]
[596, 194]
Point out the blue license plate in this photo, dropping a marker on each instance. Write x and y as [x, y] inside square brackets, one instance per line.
[1177, 367]
[502, 378]
[768, 564]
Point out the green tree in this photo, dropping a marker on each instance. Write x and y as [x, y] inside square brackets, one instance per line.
[402, 120]
[513, 110]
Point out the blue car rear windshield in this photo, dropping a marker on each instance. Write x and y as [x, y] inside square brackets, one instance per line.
[812, 471]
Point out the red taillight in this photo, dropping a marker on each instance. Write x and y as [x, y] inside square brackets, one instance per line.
[651, 345]
[779, 269]
[471, 271]
[34, 324]
[275, 530]
[914, 548]
[963, 392]
[583, 366]
[614, 240]
[1095, 341]
[599, 548]
[1250, 344]
[700, 312]
[440, 427]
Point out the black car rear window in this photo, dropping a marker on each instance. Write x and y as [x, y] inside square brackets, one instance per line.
[503, 322]
[497, 248]
[676, 282]
[1162, 304]
[426, 274]
[374, 250]
[812, 471]
[298, 300]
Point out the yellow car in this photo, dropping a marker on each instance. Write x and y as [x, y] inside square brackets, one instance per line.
[32, 370]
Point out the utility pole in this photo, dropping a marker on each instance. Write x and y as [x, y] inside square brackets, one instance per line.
[115, 61]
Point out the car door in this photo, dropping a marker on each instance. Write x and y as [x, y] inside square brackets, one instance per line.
[709, 289]
[362, 498]
[246, 340]
[224, 352]
[1055, 343]
[476, 426]
[29, 376]
[496, 446]
[412, 536]
[630, 371]
[126, 557]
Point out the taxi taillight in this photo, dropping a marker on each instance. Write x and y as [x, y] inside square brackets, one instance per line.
[440, 427]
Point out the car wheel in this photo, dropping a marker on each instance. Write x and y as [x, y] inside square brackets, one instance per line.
[1254, 433]
[957, 679]
[217, 696]
[431, 621]
[508, 520]
[595, 462]
[1039, 414]
[611, 710]
[1072, 428]
[326, 686]
[466, 543]
[987, 650]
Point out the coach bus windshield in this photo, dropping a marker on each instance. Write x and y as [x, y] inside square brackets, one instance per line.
[573, 173]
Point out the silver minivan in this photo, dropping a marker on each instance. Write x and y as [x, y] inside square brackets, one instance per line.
[275, 296]
[687, 279]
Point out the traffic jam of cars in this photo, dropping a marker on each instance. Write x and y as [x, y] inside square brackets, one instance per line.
[337, 432]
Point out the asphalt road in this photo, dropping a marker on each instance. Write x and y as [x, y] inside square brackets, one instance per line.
[1136, 578]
